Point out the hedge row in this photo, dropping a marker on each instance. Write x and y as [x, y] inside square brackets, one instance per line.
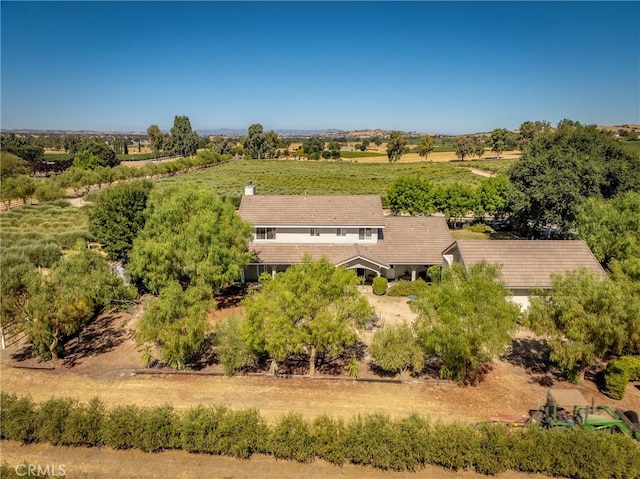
[618, 373]
[376, 440]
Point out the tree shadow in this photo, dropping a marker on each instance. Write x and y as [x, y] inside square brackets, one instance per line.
[24, 353]
[230, 296]
[98, 337]
[533, 356]
[205, 356]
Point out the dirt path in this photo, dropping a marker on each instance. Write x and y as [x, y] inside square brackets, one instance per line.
[89, 463]
[485, 173]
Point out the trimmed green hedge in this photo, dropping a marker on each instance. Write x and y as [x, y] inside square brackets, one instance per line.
[618, 373]
[379, 285]
[377, 440]
[405, 288]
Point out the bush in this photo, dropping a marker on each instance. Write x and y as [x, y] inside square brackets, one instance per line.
[156, 429]
[328, 439]
[82, 426]
[18, 418]
[291, 439]
[51, 418]
[120, 429]
[379, 285]
[405, 288]
[618, 373]
[481, 228]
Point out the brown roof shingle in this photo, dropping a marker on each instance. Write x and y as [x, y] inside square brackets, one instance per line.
[290, 210]
[529, 263]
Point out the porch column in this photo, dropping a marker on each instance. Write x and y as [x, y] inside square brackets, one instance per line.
[274, 268]
[413, 273]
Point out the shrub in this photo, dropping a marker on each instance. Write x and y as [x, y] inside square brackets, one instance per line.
[618, 373]
[481, 228]
[379, 285]
[18, 418]
[120, 429]
[233, 352]
[405, 288]
[328, 439]
[51, 418]
[82, 426]
[291, 439]
[156, 429]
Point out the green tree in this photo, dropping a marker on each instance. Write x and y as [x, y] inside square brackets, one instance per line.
[190, 236]
[255, 143]
[586, 317]
[311, 309]
[529, 130]
[463, 147]
[105, 156]
[611, 228]
[78, 287]
[498, 141]
[395, 349]
[184, 141]
[271, 142]
[313, 145]
[155, 139]
[117, 215]
[560, 170]
[493, 196]
[413, 195]
[478, 149]
[456, 201]
[427, 145]
[19, 281]
[396, 146]
[12, 165]
[17, 187]
[86, 160]
[177, 322]
[466, 319]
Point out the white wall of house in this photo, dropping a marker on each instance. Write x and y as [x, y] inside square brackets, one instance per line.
[326, 236]
[521, 298]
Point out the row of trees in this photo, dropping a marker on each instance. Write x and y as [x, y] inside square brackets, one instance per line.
[181, 141]
[418, 196]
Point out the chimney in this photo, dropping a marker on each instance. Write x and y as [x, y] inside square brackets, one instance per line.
[250, 189]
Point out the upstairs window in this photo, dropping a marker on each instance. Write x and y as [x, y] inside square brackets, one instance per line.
[365, 233]
[314, 231]
[265, 233]
[341, 232]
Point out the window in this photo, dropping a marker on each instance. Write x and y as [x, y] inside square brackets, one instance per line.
[341, 232]
[314, 231]
[265, 233]
[365, 233]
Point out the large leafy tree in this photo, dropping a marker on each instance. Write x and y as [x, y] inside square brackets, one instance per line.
[191, 244]
[530, 129]
[466, 319]
[184, 141]
[427, 145]
[560, 170]
[311, 309]
[498, 141]
[413, 195]
[78, 287]
[190, 236]
[117, 215]
[255, 143]
[396, 146]
[611, 228]
[493, 196]
[156, 139]
[463, 147]
[586, 317]
[395, 349]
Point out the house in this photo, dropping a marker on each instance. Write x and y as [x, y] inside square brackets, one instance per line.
[349, 230]
[525, 264]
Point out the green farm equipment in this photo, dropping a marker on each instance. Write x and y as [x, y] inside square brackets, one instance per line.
[569, 408]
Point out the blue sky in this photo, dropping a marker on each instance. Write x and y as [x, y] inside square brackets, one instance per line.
[445, 67]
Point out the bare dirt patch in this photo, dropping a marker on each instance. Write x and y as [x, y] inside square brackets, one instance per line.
[87, 463]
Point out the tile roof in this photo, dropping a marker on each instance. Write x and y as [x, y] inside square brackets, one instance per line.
[529, 263]
[293, 210]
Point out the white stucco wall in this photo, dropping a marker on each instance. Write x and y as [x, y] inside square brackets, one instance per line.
[327, 236]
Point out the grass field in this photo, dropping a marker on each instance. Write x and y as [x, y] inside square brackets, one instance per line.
[290, 177]
[632, 146]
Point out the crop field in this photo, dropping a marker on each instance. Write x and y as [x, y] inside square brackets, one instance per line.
[38, 232]
[290, 177]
